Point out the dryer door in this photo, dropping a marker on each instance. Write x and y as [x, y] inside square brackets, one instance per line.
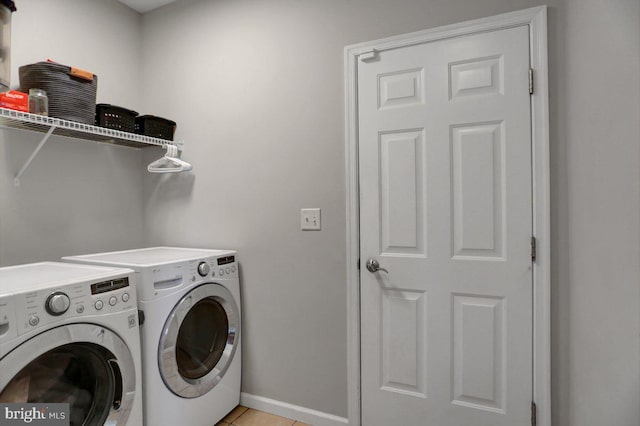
[85, 365]
[199, 340]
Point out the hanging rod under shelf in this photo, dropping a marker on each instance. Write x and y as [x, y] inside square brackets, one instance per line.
[49, 125]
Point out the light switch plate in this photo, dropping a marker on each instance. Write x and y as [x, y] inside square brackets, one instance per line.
[310, 219]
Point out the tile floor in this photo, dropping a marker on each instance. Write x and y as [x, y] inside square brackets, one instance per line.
[243, 416]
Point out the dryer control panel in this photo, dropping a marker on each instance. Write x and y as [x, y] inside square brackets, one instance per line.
[213, 267]
[39, 308]
[163, 280]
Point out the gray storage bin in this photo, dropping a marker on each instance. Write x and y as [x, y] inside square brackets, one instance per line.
[70, 97]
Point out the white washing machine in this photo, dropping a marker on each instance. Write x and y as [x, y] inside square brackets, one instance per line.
[191, 348]
[70, 334]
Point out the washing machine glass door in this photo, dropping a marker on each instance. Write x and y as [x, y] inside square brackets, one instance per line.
[87, 366]
[199, 340]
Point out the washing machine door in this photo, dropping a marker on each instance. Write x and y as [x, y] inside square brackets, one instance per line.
[85, 365]
[199, 340]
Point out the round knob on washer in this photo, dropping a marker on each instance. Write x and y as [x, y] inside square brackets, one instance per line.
[203, 269]
[57, 303]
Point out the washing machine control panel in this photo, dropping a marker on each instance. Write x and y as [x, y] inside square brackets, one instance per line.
[226, 266]
[57, 303]
[7, 318]
[214, 267]
[110, 296]
[44, 307]
[203, 269]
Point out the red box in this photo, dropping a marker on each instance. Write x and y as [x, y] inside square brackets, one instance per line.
[15, 100]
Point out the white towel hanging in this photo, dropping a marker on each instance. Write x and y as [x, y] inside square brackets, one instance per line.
[170, 163]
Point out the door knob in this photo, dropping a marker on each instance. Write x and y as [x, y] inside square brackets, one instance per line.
[374, 266]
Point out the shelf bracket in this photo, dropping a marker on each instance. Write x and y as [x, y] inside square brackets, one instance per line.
[16, 179]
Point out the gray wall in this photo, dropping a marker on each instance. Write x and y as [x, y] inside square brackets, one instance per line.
[260, 104]
[257, 89]
[76, 196]
[595, 212]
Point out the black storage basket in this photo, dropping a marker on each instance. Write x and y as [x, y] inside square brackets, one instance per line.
[70, 98]
[115, 117]
[156, 127]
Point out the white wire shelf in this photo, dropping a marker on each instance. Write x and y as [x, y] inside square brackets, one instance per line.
[39, 123]
[56, 126]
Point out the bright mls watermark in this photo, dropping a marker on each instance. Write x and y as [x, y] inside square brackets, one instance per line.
[34, 414]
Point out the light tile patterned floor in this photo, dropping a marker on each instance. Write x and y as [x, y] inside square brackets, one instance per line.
[243, 416]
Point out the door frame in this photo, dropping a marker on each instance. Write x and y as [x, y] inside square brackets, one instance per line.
[536, 19]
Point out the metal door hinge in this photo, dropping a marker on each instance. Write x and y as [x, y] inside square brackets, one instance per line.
[531, 81]
[533, 414]
[533, 249]
[358, 264]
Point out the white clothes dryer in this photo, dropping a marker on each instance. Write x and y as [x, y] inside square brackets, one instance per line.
[70, 334]
[191, 346]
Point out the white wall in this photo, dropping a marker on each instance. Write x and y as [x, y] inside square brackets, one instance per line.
[257, 89]
[76, 196]
[598, 185]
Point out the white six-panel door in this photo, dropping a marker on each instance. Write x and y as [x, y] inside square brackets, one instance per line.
[446, 208]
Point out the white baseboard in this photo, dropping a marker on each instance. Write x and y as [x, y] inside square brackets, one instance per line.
[295, 412]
